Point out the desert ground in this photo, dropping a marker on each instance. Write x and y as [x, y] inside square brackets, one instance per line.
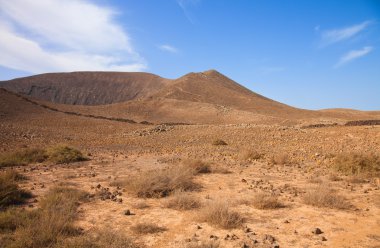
[187, 176]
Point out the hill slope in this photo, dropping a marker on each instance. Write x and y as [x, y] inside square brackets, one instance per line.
[87, 88]
[199, 98]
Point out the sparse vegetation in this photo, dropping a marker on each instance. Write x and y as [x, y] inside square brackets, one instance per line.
[98, 239]
[161, 183]
[65, 154]
[266, 201]
[198, 166]
[218, 213]
[46, 226]
[324, 196]
[250, 155]
[10, 192]
[23, 157]
[280, 159]
[58, 154]
[357, 164]
[182, 201]
[147, 228]
[219, 142]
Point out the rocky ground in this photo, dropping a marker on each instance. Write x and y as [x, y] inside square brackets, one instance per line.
[122, 151]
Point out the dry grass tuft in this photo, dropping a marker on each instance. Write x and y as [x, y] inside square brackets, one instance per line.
[357, 164]
[147, 228]
[324, 196]
[64, 155]
[161, 183]
[280, 159]
[218, 213]
[59, 154]
[10, 192]
[22, 157]
[198, 166]
[219, 142]
[266, 201]
[99, 239]
[250, 155]
[48, 225]
[182, 201]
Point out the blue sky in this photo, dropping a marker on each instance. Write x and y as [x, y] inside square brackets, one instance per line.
[308, 54]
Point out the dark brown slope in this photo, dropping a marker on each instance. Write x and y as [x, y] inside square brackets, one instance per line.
[87, 88]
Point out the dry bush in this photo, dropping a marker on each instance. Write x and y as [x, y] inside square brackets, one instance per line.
[250, 155]
[58, 154]
[280, 159]
[198, 166]
[161, 183]
[266, 201]
[10, 192]
[218, 213]
[64, 154]
[51, 223]
[204, 244]
[324, 196]
[98, 239]
[182, 201]
[147, 228]
[357, 164]
[219, 142]
[23, 157]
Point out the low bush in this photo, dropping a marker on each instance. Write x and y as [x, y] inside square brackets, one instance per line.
[218, 213]
[357, 164]
[250, 155]
[64, 155]
[10, 192]
[161, 183]
[182, 201]
[266, 201]
[48, 225]
[324, 196]
[280, 159]
[22, 157]
[198, 166]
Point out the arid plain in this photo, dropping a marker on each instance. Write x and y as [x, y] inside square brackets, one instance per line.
[136, 160]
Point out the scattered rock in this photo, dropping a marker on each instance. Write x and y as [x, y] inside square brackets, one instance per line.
[317, 231]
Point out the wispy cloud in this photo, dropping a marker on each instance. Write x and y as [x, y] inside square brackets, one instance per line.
[185, 5]
[168, 48]
[53, 35]
[352, 55]
[336, 35]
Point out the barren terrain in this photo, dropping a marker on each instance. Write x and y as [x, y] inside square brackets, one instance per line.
[274, 170]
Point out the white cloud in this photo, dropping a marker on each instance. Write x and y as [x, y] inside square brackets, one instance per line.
[337, 35]
[352, 55]
[71, 35]
[168, 48]
[185, 6]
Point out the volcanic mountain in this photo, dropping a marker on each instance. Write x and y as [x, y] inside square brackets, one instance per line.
[207, 98]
